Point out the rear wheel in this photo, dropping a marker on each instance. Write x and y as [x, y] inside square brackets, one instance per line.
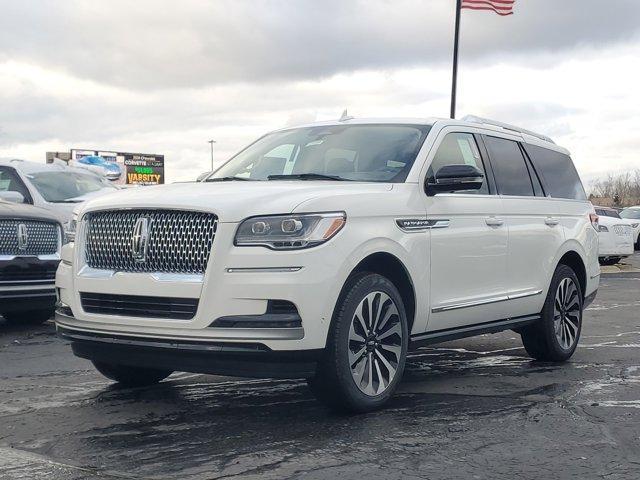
[33, 317]
[131, 376]
[366, 349]
[555, 337]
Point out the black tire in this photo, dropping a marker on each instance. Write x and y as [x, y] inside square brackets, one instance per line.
[131, 376]
[540, 339]
[609, 260]
[334, 383]
[31, 317]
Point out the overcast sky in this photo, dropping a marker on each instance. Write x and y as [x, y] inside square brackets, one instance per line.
[165, 76]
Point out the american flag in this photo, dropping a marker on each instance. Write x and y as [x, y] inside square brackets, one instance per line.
[501, 7]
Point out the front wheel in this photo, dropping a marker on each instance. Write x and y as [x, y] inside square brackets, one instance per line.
[366, 348]
[555, 337]
[131, 376]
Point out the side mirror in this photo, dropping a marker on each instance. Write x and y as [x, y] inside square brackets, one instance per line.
[10, 196]
[454, 178]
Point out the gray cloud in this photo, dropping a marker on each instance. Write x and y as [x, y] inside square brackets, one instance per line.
[149, 44]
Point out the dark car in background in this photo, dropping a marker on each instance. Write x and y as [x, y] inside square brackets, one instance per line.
[30, 242]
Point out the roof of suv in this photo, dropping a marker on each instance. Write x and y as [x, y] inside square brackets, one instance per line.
[469, 121]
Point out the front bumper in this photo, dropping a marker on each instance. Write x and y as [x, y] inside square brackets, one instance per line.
[233, 294]
[26, 283]
[612, 245]
[217, 358]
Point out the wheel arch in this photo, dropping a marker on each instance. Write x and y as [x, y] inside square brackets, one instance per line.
[574, 260]
[391, 267]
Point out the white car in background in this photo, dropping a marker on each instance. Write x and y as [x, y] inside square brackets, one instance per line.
[615, 236]
[54, 187]
[633, 215]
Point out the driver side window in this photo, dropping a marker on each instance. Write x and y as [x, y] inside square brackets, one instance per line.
[11, 182]
[459, 149]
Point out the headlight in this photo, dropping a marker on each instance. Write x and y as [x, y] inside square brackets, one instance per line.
[603, 228]
[70, 229]
[290, 232]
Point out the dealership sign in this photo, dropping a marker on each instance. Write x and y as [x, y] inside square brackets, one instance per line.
[137, 168]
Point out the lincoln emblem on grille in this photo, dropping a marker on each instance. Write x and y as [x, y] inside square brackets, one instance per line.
[23, 237]
[140, 239]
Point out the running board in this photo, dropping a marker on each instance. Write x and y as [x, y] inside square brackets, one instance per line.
[456, 333]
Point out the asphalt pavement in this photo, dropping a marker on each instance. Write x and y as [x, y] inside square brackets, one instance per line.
[472, 409]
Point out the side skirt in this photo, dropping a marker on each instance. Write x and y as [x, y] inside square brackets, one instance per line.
[456, 333]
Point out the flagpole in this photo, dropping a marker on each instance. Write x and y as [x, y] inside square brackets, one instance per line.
[454, 78]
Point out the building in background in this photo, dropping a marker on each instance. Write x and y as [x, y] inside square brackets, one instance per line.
[134, 168]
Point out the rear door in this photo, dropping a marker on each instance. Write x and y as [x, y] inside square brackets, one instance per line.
[468, 241]
[535, 230]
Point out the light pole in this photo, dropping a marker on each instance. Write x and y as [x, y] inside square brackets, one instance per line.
[211, 142]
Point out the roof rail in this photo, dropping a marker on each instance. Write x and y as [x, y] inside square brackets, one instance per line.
[506, 126]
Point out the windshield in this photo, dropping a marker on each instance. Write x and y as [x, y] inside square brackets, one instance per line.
[632, 213]
[66, 186]
[370, 153]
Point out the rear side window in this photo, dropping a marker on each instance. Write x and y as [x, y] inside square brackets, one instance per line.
[558, 172]
[509, 167]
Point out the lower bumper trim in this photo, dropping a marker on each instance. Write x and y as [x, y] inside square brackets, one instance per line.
[237, 359]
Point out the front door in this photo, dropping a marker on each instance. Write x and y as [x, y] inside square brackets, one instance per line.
[468, 242]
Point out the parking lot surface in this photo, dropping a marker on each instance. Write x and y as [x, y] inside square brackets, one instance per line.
[472, 409]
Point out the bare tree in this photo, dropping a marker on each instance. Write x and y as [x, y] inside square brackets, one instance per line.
[623, 188]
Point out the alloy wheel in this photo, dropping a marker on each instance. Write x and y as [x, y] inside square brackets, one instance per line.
[566, 313]
[375, 343]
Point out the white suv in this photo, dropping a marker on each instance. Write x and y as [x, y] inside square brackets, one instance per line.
[329, 251]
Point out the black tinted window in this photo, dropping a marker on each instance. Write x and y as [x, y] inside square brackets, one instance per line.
[509, 168]
[558, 172]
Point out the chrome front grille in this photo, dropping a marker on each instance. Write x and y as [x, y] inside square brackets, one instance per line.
[175, 241]
[622, 230]
[28, 237]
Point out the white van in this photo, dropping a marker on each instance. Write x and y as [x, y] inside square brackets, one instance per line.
[329, 251]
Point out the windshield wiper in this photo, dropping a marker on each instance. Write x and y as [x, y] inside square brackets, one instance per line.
[68, 200]
[227, 179]
[307, 176]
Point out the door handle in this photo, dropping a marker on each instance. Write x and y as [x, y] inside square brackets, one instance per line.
[494, 221]
[552, 222]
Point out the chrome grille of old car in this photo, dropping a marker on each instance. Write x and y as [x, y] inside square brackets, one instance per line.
[622, 230]
[176, 241]
[37, 238]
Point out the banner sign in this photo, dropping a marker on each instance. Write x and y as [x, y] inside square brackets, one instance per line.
[137, 168]
[144, 169]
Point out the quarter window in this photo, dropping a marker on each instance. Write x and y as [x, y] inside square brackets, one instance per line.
[509, 167]
[558, 172]
[458, 149]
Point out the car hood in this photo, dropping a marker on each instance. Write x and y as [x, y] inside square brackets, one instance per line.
[233, 201]
[18, 210]
[64, 210]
